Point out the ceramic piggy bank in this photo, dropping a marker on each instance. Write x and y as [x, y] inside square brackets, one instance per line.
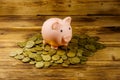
[57, 32]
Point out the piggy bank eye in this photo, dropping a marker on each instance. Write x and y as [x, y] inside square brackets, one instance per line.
[61, 30]
[69, 28]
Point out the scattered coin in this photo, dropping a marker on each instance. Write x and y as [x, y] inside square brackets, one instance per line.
[32, 62]
[38, 58]
[30, 44]
[71, 54]
[13, 54]
[38, 42]
[74, 60]
[60, 52]
[19, 57]
[80, 52]
[46, 57]
[52, 52]
[59, 61]
[47, 48]
[39, 64]
[65, 65]
[21, 44]
[44, 52]
[47, 64]
[64, 57]
[55, 57]
[38, 48]
[26, 59]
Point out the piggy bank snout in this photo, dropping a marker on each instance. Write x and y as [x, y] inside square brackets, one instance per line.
[67, 38]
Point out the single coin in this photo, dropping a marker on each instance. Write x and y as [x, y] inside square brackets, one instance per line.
[26, 59]
[47, 48]
[59, 61]
[55, 57]
[65, 65]
[64, 57]
[21, 44]
[39, 64]
[47, 64]
[71, 54]
[60, 52]
[46, 57]
[13, 54]
[19, 57]
[74, 60]
[29, 44]
[32, 62]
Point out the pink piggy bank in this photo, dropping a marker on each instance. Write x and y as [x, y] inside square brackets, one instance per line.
[57, 32]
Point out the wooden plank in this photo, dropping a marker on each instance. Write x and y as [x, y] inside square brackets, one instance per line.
[20, 19]
[111, 33]
[99, 67]
[106, 54]
[29, 20]
[108, 35]
[63, 7]
[86, 73]
[10, 36]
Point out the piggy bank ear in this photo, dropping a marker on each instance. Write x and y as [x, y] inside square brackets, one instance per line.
[67, 20]
[55, 26]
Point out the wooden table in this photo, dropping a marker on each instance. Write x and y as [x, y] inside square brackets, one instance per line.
[103, 65]
[19, 19]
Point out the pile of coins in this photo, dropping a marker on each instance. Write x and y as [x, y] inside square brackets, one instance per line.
[33, 51]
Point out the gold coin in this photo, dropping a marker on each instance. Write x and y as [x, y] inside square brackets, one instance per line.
[32, 62]
[55, 57]
[80, 52]
[38, 58]
[21, 44]
[47, 64]
[74, 60]
[39, 64]
[46, 57]
[13, 54]
[26, 59]
[47, 48]
[71, 54]
[29, 44]
[60, 52]
[38, 41]
[59, 61]
[38, 48]
[19, 57]
[64, 57]
[52, 52]
[65, 65]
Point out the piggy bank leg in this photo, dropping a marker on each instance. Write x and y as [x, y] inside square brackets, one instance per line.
[66, 44]
[54, 47]
[44, 44]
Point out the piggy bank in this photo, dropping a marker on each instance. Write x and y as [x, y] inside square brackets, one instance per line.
[57, 32]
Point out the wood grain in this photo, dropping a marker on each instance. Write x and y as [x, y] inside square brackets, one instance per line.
[99, 67]
[20, 19]
[63, 7]
[28, 21]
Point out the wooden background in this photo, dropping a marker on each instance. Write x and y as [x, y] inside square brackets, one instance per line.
[19, 19]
